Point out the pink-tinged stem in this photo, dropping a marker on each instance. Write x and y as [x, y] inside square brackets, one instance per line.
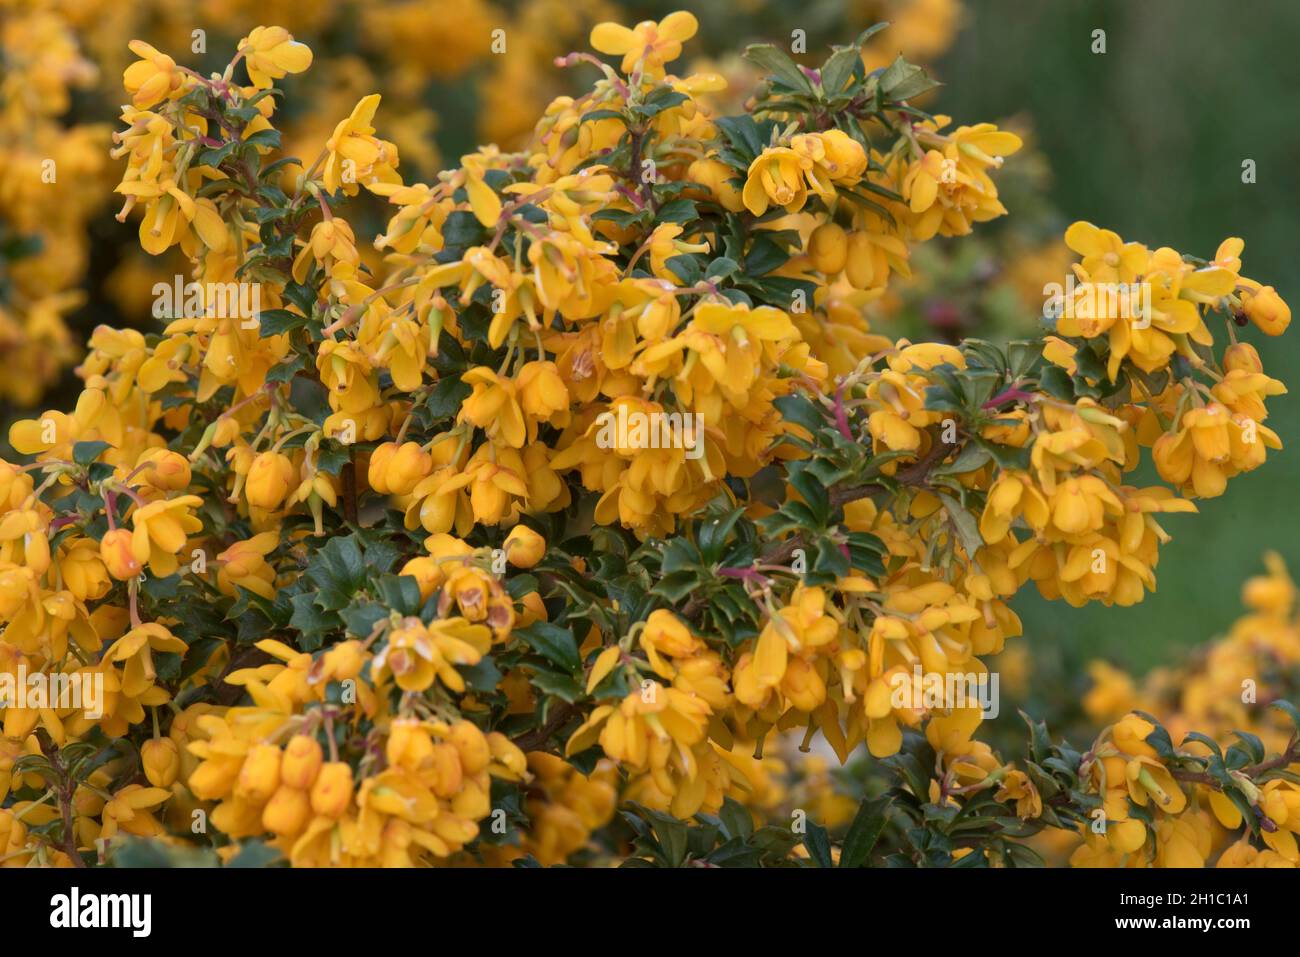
[630, 195]
[110, 506]
[745, 574]
[1013, 393]
[841, 417]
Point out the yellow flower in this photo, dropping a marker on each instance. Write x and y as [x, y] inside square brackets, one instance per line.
[160, 531]
[117, 551]
[543, 396]
[85, 574]
[665, 634]
[164, 469]
[1106, 257]
[244, 565]
[333, 245]
[775, 177]
[780, 654]
[1148, 779]
[1210, 446]
[716, 177]
[1267, 310]
[648, 44]
[642, 731]
[870, 256]
[128, 810]
[416, 654]
[270, 53]
[161, 760]
[1017, 787]
[152, 78]
[483, 201]
[135, 650]
[948, 189]
[842, 156]
[355, 156]
[493, 406]
[828, 247]
[332, 791]
[302, 762]
[397, 469]
[524, 547]
[270, 478]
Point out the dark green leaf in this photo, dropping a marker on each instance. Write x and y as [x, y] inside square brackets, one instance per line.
[552, 642]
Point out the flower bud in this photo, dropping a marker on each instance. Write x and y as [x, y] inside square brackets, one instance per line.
[427, 573]
[215, 778]
[287, 812]
[15, 486]
[166, 470]
[397, 469]
[533, 609]
[509, 761]
[844, 156]
[162, 761]
[345, 660]
[332, 791]
[260, 775]
[667, 633]
[1272, 594]
[410, 464]
[524, 547]
[380, 460]
[269, 479]
[228, 429]
[471, 745]
[119, 559]
[1268, 311]
[860, 264]
[716, 175]
[302, 761]
[443, 770]
[1241, 357]
[542, 392]
[828, 247]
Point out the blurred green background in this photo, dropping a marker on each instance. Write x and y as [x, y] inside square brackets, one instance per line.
[1148, 139]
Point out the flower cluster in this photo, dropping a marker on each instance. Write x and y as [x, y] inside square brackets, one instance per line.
[51, 182]
[64, 69]
[1225, 690]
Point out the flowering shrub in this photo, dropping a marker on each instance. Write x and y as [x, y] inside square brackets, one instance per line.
[1227, 687]
[597, 486]
[454, 72]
